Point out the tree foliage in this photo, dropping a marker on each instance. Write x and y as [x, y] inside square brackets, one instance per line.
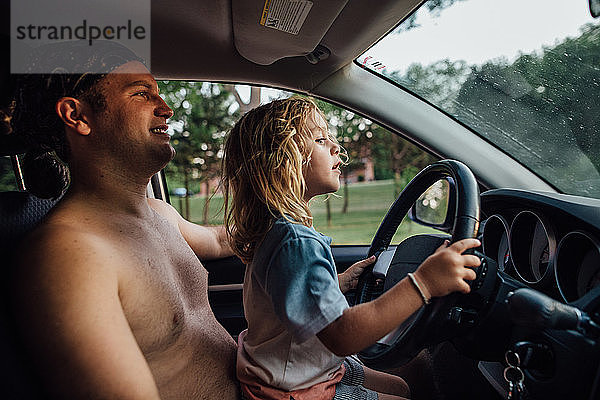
[366, 142]
[543, 108]
[352, 131]
[539, 110]
[439, 82]
[435, 7]
[7, 177]
[203, 113]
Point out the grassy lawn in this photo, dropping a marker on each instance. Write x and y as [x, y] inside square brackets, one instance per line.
[367, 204]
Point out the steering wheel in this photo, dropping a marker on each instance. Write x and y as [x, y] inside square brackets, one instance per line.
[429, 325]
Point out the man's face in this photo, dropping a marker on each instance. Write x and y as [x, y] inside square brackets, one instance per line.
[133, 126]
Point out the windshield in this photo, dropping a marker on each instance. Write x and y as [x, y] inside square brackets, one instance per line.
[525, 75]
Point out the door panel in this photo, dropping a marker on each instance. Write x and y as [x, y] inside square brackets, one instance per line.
[225, 279]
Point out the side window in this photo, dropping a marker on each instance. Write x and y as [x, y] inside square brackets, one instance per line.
[7, 176]
[380, 163]
[203, 114]
[8, 181]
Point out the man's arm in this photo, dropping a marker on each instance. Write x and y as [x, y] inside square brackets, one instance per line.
[66, 302]
[208, 242]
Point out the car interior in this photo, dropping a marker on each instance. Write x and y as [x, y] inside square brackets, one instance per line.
[532, 319]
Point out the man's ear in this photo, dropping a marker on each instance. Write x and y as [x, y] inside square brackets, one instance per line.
[71, 112]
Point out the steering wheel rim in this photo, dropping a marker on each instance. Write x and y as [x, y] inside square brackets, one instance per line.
[465, 225]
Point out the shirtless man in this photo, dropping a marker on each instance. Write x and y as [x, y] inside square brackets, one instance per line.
[111, 297]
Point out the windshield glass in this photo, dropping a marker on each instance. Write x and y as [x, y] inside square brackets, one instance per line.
[525, 75]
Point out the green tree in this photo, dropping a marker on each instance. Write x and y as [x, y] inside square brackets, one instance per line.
[544, 108]
[7, 176]
[354, 134]
[253, 101]
[576, 96]
[435, 7]
[397, 157]
[203, 113]
[439, 82]
[390, 155]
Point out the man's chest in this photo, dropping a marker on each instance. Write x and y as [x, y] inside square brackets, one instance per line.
[163, 289]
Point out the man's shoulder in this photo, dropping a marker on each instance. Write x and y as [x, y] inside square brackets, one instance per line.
[165, 210]
[63, 243]
[59, 260]
[67, 221]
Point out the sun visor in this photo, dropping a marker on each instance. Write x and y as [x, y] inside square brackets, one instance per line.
[265, 31]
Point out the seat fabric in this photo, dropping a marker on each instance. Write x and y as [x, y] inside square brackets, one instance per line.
[20, 212]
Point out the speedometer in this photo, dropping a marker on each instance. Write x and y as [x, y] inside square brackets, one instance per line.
[577, 265]
[495, 241]
[589, 272]
[532, 246]
[540, 251]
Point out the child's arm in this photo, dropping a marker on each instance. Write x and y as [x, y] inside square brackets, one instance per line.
[349, 278]
[440, 274]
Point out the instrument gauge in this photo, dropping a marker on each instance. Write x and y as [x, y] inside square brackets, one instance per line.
[577, 265]
[495, 241]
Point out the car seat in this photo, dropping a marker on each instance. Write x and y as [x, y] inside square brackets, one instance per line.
[20, 212]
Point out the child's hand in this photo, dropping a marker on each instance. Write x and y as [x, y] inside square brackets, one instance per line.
[444, 271]
[349, 278]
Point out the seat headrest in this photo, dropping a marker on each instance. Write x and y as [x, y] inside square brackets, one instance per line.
[20, 212]
[11, 145]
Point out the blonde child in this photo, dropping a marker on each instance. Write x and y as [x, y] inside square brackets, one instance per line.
[300, 327]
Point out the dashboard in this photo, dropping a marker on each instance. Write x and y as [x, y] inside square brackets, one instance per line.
[548, 241]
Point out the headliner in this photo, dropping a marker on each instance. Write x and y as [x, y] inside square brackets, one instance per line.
[204, 40]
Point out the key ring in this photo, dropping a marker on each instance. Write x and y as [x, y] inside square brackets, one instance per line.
[516, 362]
[519, 378]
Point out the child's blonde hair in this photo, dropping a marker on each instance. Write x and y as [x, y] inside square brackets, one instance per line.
[262, 171]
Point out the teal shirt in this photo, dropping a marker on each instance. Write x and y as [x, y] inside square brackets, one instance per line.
[301, 278]
[291, 293]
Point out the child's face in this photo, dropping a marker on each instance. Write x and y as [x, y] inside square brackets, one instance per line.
[322, 172]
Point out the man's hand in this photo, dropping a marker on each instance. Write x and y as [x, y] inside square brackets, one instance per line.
[349, 278]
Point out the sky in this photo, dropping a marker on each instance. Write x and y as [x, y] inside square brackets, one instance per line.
[479, 30]
[266, 94]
